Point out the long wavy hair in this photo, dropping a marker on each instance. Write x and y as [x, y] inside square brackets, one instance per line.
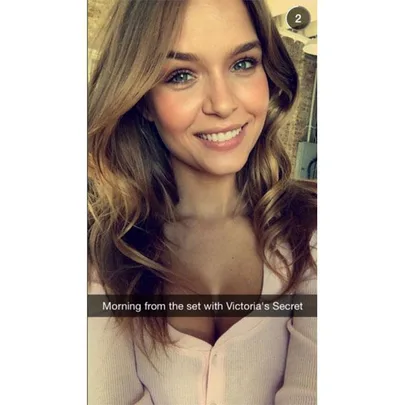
[132, 190]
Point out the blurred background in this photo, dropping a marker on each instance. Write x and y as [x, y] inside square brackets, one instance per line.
[299, 134]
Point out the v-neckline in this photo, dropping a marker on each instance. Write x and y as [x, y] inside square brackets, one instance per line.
[243, 325]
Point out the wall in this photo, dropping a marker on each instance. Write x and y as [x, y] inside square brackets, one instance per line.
[278, 7]
[95, 12]
[296, 127]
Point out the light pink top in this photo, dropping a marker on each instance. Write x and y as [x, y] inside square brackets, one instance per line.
[258, 361]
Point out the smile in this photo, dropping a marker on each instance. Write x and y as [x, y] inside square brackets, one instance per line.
[223, 141]
[221, 136]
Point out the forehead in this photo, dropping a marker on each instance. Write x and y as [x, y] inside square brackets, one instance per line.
[214, 24]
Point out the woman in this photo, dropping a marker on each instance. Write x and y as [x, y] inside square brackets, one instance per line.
[190, 194]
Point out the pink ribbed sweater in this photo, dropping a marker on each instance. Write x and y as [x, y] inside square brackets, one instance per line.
[258, 361]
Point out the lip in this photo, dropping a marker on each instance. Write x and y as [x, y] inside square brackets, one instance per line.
[217, 130]
[226, 145]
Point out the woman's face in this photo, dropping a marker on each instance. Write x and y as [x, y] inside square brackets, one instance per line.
[211, 106]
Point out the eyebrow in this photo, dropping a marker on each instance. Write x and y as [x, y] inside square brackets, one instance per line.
[191, 57]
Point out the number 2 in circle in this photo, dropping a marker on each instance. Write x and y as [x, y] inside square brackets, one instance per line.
[298, 18]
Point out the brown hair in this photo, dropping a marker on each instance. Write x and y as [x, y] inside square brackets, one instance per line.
[132, 191]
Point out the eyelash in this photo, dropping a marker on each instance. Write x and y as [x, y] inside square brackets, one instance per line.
[178, 72]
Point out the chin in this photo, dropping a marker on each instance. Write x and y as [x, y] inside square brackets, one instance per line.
[225, 169]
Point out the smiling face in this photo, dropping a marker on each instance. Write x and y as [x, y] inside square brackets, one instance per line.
[211, 106]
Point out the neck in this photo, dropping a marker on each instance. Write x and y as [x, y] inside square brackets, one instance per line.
[204, 196]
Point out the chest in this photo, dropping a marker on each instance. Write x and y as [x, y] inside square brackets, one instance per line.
[248, 370]
[216, 260]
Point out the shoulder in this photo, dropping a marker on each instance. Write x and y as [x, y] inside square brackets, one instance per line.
[313, 245]
[95, 288]
[94, 284]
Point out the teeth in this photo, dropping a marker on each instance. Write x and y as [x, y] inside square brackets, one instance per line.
[221, 136]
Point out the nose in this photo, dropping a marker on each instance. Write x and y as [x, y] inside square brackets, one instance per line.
[219, 98]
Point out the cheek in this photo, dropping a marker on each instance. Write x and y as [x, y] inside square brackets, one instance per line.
[173, 113]
[255, 95]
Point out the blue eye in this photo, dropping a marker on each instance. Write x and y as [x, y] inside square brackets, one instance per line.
[245, 64]
[180, 77]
